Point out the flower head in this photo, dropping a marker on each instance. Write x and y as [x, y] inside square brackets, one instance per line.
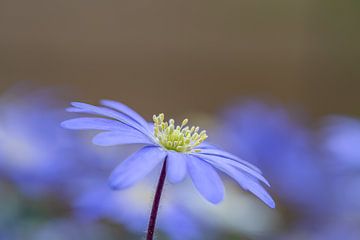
[177, 138]
[183, 148]
[31, 140]
[341, 136]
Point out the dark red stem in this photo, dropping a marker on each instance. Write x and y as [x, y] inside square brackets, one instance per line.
[156, 203]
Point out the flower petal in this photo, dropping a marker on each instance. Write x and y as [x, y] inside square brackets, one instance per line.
[86, 123]
[76, 110]
[118, 137]
[205, 179]
[135, 167]
[254, 187]
[126, 110]
[221, 153]
[213, 159]
[247, 182]
[176, 166]
[107, 112]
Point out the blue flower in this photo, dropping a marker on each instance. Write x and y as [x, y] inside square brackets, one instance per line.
[342, 140]
[182, 147]
[35, 153]
[268, 137]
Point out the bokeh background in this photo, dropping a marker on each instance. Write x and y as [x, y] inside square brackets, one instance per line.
[202, 59]
[183, 56]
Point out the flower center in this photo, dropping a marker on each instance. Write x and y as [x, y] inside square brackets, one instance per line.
[177, 138]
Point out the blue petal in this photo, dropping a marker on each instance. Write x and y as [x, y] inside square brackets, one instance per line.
[247, 182]
[221, 153]
[254, 187]
[135, 167]
[88, 108]
[150, 125]
[94, 124]
[118, 137]
[126, 110]
[77, 110]
[217, 159]
[176, 166]
[205, 179]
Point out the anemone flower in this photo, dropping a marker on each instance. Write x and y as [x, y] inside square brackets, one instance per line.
[341, 136]
[180, 149]
[31, 140]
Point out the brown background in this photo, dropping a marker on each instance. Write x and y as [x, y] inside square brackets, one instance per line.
[180, 56]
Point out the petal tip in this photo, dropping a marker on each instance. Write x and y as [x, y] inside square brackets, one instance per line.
[112, 185]
[175, 180]
[100, 142]
[65, 124]
[267, 182]
[216, 200]
[271, 204]
[75, 104]
[104, 101]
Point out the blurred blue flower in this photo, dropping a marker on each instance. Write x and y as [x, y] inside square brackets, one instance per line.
[342, 140]
[269, 138]
[35, 152]
[130, 208]
[341, 146]
[181, 146]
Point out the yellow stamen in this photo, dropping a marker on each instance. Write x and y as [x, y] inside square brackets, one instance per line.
[177, 138]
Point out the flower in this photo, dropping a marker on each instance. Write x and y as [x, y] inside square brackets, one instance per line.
[268, 137]
[183, 148]
[35, 153]
[341, 140]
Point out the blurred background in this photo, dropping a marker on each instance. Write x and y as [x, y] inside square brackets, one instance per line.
[275, 82]
[301, 52]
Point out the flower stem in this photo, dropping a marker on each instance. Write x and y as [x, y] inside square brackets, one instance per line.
[156, 203]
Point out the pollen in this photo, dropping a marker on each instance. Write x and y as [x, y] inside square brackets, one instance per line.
[177, 138]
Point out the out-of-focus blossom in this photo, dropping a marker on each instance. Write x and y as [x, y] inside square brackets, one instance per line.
[341, 146]
[131, 208]
[35, 152]
[342, 140]
[269, 138]
[183, 148]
